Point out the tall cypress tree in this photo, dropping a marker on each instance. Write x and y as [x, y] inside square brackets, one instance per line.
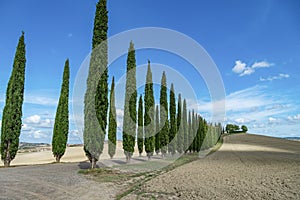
[96, 96]
[164, 122]
[180, 132]
[149, 114]
[12, 112]
[185, 126]
[195, 129]
[129, 120]
[61, 124]
[157, 134]
[112, 126]
[173, 124]
[140, 135]
[190, 140]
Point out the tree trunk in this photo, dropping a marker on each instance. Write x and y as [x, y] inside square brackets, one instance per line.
[57, 159]
[6, 163]
[93, 163]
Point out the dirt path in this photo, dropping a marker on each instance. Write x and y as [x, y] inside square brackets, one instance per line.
[245, 167]
[54, 181]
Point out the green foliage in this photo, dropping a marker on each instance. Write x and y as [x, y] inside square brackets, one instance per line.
[200, 134]
[173, 124]
[180, 132]
[190, 131]
[140, 136]
[157, 134]
[149, 114]
[61, 124]
[185, 127]
[112, 126]
[12, 112]
[232, 128]
[129, 120]
[244, 128]
[96, 96]
[164, 122]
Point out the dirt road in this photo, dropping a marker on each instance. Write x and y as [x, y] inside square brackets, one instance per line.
[52, 181]
[245, 167]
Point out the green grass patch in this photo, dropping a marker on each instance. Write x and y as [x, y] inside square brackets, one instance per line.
[217, 146]
[107, 175]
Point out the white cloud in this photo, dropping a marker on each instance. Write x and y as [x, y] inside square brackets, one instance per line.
[261, 64]
[34, 119]
[26, 127]
[272, 120]
[294, 118]
[241, 120]
[249, 106]
[37, 121]
[242, 69]
[37, 134]
[239, 67]
[271, 78]
[247, 71]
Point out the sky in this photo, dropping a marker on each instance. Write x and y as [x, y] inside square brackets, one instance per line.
[255, 46]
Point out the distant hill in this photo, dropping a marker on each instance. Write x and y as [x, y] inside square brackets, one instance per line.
[292, 138]
[33, 147]
[27, 144]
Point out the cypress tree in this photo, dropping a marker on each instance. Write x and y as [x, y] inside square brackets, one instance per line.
[164, 122]
[185, 126]
[180, 132]
[190, 131]
[157, 132]
[149, 114]
[61, 124]
[200, 134]
[140, 136]
[96, 96]
[205, 135]
[173, 124]
[12, 112]
[112, 126]
[194, 127]
[129, 120]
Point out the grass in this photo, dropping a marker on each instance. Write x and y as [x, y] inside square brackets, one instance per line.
[107, 175]
[218, 145]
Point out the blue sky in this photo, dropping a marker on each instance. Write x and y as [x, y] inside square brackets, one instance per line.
[254, 44]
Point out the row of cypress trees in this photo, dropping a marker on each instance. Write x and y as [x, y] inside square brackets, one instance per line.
[175, 133]
[156, 130]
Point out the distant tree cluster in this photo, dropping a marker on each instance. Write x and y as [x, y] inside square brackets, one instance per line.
[233, 128]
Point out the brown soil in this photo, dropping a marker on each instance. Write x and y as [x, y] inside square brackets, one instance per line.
[245, 167]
